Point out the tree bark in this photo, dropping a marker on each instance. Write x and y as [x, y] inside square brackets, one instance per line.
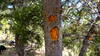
[19, 46]
[52, 27]
[84, 47]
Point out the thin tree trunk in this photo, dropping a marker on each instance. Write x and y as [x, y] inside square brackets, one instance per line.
[88, 37]
[91, 31]
[84, 47]
[52, 27]
[19, 46]
[86, 43]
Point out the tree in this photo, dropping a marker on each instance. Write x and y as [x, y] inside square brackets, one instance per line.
[93, 30]
[52, 27]
[25, 20]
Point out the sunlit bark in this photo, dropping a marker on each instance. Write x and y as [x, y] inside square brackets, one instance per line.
[52, 27]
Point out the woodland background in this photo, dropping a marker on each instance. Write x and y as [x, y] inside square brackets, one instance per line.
[23, 29]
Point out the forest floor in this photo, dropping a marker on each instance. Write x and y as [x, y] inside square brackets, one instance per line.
[29, 51]
[40, 52]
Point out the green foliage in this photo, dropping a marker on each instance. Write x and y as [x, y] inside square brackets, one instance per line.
[23, 21]
[77, 22]
[26, 19]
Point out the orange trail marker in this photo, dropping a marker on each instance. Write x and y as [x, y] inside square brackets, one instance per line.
[54, 33]
[52, 18]
[90, 38]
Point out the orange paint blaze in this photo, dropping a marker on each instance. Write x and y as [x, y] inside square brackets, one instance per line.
[52, 18]
[54, 33]
[90, 38]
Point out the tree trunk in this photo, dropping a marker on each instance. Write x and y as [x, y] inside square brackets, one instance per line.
[19, 46]
[52, 27]
[84, 47]
[86, 41]
[90, 33]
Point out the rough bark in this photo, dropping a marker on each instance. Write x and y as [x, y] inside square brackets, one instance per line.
[51, 9]
[19, 46]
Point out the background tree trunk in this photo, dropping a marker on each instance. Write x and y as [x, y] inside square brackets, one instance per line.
[84, 47]
[91, 32]
[52, 27]
[86, 41]
[19, 46]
